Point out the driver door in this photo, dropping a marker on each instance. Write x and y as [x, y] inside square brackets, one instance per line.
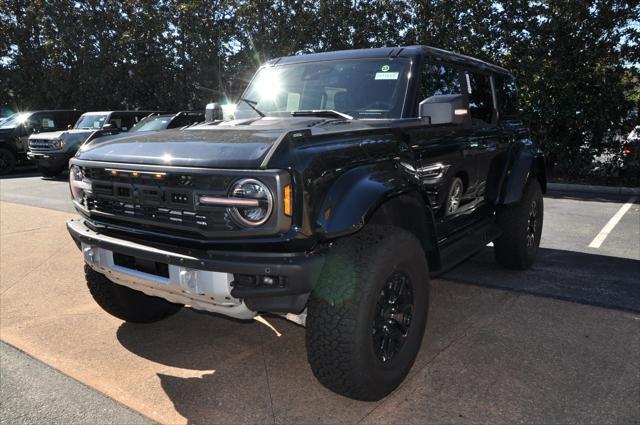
[445, 154]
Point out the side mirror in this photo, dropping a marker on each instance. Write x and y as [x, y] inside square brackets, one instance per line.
[108, 126]
[69, 126]
[445, 109]
[213, 112]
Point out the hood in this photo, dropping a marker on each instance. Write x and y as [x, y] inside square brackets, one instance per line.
[236, 144]
[6, 132]
[64, 135]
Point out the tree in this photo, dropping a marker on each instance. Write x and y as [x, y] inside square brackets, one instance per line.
[569, 58]
[577, 61]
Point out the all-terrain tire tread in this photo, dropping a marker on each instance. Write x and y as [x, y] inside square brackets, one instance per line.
[331, 317]
[508, 249]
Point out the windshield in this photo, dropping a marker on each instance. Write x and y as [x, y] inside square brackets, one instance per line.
[15, 120]
[91, 121]
[154, 123]
[362, 88]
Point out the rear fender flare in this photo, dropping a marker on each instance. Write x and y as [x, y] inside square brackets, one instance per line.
[524, 164]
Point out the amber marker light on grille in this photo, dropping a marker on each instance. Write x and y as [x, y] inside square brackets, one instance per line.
[286, 199]
[114, 172]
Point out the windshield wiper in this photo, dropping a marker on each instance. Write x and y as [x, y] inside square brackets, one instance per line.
[252, 104]
[322, 113]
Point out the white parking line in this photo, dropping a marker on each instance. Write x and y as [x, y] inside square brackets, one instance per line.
[597, 241]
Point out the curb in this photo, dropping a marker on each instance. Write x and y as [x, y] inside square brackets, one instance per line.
[584, 188]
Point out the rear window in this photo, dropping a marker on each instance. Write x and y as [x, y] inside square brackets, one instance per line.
[507, 94]
[480, 97]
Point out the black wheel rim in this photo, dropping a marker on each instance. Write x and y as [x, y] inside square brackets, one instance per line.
[455, 198]
[394, 311]
[532, 224]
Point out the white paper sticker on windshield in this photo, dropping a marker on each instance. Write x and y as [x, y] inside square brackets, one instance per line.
[387, 75]
[293, 101]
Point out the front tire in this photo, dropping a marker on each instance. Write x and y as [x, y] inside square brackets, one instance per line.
[367, 315]
[126, 303]
[8, 161]
[521, 226]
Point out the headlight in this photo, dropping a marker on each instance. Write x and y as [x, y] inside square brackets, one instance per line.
[58, 144]
[252, 215]
[78, 184]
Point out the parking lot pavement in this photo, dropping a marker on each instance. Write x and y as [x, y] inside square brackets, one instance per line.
[27, 395]
[567, 268]
[28, 187]
[558, 343]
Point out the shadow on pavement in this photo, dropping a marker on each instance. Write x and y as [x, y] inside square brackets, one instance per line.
[242, 372]
[223, 376]
[20, 174]
[588, 197]
[31, 171]
[579, 277]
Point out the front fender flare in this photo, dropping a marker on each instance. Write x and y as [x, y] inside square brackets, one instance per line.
[356, 194]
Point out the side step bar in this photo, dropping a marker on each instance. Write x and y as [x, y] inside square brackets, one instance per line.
[465, 244]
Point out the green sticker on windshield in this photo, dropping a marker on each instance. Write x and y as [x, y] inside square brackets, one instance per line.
[384, 68]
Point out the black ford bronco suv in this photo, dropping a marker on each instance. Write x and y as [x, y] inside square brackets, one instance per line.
[343, 183]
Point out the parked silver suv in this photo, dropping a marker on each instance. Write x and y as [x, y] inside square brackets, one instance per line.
[51, 151]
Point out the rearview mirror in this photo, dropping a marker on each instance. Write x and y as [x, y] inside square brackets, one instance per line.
[445, 109]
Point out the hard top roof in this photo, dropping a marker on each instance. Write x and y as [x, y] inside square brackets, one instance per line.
[46, 110]
[174, 114]
[392, 52]
[124, 112]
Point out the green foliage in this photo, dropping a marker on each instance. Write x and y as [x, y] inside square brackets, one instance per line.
[577, 61]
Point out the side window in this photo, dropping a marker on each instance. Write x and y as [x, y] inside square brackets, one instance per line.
[121, 121]
[72, 117]
[183, 120]
[507, 94]
[480, 97]
[438, 79]
[115, 121]
[61, 120]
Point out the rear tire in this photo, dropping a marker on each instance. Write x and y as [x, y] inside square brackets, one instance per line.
[367, 314]
[8, 161]
[521, 226]
[126, 303]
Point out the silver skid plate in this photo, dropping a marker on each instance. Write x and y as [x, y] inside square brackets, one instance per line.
[201, 289]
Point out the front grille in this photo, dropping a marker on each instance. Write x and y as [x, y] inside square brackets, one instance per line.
[40, 144]
[159, 200]
[217, 219]
[205, 182]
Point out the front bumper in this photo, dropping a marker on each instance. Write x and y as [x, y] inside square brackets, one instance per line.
[50, 159]
[207, 280]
